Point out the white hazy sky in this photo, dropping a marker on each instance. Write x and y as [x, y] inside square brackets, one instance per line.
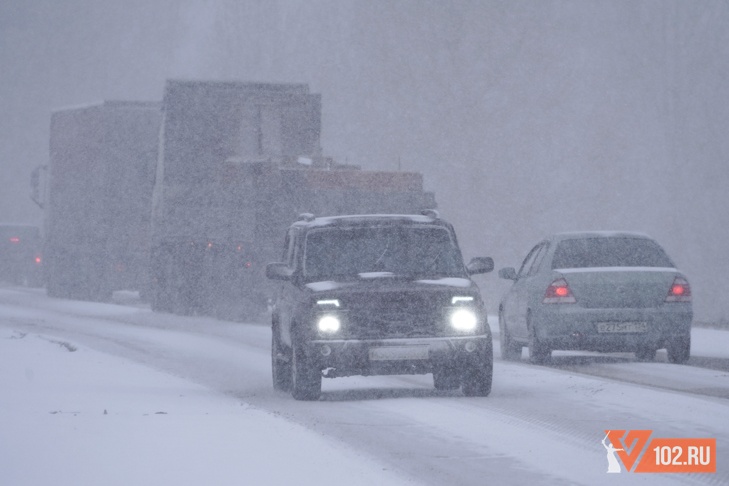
[526, 117]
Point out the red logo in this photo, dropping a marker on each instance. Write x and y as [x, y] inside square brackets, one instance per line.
[659, 455]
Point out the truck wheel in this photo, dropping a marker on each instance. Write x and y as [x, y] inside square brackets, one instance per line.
[509, 349]
[445, 378]
[679, 349]
[305, 378]
[477, 379]
[280, 367]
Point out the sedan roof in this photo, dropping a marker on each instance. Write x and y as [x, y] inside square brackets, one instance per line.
[577, 235]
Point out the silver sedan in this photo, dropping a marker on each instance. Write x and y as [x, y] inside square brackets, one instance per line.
[596, 291]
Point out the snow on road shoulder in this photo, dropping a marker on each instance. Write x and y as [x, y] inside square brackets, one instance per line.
[70, 415]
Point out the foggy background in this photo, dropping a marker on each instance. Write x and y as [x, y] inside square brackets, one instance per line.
[525, 117]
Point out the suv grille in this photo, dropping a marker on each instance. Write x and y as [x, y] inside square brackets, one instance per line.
[394, 315]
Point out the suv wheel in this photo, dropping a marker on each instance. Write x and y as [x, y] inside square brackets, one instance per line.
[280, 366]
[679, 349]
[509, 349]
[305, 378]
[445, 379]
[477, 379]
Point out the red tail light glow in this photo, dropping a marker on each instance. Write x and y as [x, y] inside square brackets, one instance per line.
[680, 291]
[38, 260]
[14, 239]
[559, 292]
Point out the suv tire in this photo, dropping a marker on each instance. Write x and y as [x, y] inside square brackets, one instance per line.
[445, 378]
[477, 379]
[305, 378]
[280, 366]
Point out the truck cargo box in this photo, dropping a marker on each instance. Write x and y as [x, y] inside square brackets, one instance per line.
[238, 163]
[102, 162]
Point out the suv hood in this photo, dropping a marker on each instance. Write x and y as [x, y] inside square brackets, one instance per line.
[384, 281]
[405, 295]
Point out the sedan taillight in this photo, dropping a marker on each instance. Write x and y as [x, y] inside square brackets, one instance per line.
[559, 292]
[680, 291]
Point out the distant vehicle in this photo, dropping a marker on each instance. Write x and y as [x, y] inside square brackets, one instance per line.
[102, 166]
[597, 291]
[20, 255]
[237, 163]
[376, 295]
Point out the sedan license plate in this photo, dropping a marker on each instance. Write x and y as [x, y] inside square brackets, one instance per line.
[397, 353]
[608, 327]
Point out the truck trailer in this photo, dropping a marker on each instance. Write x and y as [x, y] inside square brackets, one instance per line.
[97, 220]
[238, 163]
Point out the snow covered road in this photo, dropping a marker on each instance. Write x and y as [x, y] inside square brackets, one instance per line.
[540, 425]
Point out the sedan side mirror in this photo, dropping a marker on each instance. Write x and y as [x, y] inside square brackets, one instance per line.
[279, 271]
[480, 265]
[508, 273]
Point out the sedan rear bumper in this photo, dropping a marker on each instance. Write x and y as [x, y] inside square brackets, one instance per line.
[575, 328]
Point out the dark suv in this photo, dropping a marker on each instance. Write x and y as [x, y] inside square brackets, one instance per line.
[378, 295]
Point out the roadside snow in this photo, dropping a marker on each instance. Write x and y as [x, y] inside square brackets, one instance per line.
[72, 416]
[709, 343]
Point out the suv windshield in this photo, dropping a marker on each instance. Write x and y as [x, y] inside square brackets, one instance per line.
[397, 250]
[610, 252]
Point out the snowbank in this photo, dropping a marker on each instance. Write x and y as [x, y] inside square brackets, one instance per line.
[70, 415]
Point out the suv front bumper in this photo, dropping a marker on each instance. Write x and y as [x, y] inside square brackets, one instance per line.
[398, 356]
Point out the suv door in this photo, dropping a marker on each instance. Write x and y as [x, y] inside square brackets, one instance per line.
[286, 292]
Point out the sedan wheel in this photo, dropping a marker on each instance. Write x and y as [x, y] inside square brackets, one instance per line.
[645, 353]
[679, 349]
[539, 353]
[509, 349]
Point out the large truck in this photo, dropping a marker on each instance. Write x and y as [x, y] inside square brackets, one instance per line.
[238, 163]
[97, 215]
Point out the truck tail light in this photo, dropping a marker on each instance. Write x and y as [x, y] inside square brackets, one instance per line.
[558, 292]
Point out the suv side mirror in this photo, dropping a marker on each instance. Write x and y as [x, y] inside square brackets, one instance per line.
[508, 273]
[278, 271]
[480, 265]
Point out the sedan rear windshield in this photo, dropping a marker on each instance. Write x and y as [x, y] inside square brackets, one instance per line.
[610, 252]
[397, 250]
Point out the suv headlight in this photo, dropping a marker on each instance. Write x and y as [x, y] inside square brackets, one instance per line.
[464, 320]
[328, 324]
